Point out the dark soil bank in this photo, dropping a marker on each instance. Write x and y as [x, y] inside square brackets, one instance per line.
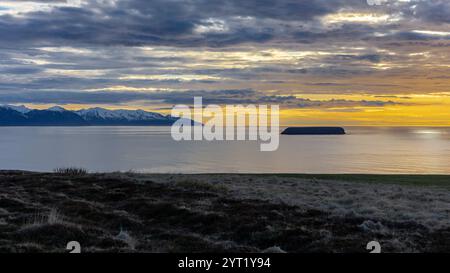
[132, 213]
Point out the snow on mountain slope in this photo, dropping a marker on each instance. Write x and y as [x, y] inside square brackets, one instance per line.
[56, 109]
[19, 108]
[101, 113]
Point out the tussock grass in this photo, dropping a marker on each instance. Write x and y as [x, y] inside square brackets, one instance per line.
[53, 217]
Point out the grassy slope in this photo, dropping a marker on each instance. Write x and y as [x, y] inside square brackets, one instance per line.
[133, 213]
[416, 180]
[400, 179]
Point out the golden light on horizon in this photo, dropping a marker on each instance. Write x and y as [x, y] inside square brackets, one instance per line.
[422, 111]
[414, 110]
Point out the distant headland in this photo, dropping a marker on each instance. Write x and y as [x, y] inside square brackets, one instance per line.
[314, 131]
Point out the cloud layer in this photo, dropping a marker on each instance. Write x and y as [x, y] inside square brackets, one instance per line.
[115, 52]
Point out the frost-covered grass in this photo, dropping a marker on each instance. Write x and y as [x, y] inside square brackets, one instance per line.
[386, 197]
[135, 212]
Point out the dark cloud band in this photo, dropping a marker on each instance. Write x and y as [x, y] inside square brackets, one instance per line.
[187, 97]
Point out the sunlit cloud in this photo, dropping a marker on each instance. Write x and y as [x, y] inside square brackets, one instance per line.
[66, 49]
[183, 78]
[355, 17]
[212, 26]
[131, 89]
[21, 8]
[432, 33]
[75, 73]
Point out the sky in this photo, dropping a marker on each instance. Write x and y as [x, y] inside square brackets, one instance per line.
[325, 62]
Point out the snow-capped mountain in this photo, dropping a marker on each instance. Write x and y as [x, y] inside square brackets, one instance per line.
[19, 108]
[101, 113]
[11, 115]
[56, 109]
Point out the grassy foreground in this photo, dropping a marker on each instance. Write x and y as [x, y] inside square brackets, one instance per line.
[125, 212]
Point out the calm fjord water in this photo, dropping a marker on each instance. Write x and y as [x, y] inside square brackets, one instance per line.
[151, 149]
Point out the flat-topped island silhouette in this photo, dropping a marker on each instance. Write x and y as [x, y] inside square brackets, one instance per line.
[314, 131]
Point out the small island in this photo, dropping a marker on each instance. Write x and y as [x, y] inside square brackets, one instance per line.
[314, 131]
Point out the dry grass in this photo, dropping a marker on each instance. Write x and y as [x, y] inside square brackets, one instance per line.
[217, 213]
[53, 217]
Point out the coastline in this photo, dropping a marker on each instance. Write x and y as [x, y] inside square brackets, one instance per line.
[131, 212]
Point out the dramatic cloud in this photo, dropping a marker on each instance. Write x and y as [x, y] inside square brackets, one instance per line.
[122, 51]
[433, 11]
[208, 22]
